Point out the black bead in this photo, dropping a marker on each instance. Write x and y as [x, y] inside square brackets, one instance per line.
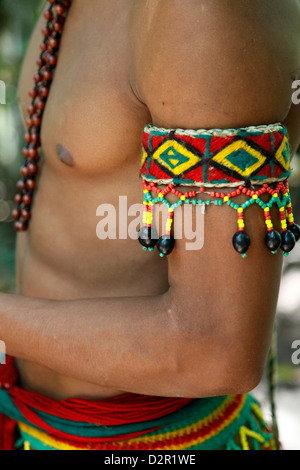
[273, 240]
[241, 242]
[295, 229]
[145, 239]
[288, 241]
[165, 244]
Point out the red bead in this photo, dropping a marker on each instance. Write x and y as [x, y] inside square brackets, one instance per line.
[59, 9]
[26, 199]
[37, 77]
[41, 104]
[35, 137]
[25, 152]
[32, 153]
[18, 226]
[30, 184]
[51, 59]
[53, 43]
[18, 198]
[44, 91]
[24, 171]
[46, 31]
[47, 75]
[25, 214]
[20, 185]
[43, 46]
[15, 214]
[32, 168]
[27, 137]
[57, 27]
[32, 93]
[48, 15]
[31, 109]
[36, 120]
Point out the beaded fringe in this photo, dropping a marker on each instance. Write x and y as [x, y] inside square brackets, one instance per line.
[280, 197]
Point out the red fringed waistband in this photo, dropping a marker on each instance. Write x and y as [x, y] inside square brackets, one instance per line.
[116, 411]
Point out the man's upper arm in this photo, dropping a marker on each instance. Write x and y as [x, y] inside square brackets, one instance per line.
[191, 78]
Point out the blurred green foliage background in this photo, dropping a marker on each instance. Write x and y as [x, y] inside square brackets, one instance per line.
[17, 19]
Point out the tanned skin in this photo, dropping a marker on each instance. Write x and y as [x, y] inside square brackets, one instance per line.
[97, 318]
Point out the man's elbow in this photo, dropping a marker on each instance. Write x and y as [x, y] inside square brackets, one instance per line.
[209, 364]
[225, 378]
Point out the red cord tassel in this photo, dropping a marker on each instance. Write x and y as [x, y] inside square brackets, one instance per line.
[8, 378]
[115, 411]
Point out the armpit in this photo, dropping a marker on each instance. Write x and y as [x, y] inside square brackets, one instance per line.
[234, 167]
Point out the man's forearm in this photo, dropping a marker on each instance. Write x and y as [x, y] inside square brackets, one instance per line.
[145, 345]
[125, 343]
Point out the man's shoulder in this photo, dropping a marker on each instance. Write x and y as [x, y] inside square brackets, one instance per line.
[213, 59]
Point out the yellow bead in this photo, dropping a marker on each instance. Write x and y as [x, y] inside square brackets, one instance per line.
[226, 199]
[160, 195]
[240, 210]
[183, 198]
[267, 209]
[27, 445]
[255, 196]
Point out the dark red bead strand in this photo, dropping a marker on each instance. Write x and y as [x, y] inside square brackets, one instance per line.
[55, 17]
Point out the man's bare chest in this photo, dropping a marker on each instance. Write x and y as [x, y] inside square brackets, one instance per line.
[91, 110]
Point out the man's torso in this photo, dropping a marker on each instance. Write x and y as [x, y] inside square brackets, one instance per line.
[93, 112]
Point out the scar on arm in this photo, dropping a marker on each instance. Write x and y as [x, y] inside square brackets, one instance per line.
[64, 155]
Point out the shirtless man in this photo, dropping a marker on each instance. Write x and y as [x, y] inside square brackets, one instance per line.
[94, 319]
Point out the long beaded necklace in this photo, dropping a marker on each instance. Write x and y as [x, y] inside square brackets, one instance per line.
[55, 15]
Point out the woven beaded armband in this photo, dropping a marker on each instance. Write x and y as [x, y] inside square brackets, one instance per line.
[210, 160]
